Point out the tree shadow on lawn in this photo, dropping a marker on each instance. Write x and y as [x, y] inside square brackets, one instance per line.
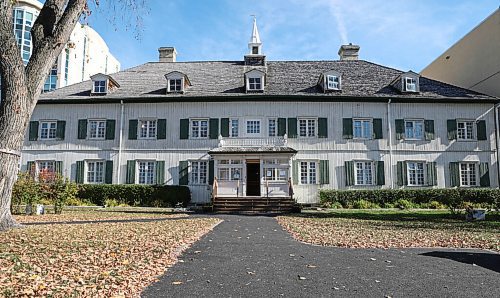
[489, 261]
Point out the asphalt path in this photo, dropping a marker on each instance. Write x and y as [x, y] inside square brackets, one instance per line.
[252, 256]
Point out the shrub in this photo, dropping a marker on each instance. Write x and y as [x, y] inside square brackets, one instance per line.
[364, 204]
[436, 205]
[26, 191]
[403, 204]
[135, 195]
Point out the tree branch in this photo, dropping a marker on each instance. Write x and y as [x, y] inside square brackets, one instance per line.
[46, 21]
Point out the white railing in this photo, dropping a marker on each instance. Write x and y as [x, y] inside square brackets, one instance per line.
[253, 142]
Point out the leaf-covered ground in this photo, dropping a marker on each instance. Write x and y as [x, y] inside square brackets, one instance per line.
[92, 260]
[365, 229]
[92, 216]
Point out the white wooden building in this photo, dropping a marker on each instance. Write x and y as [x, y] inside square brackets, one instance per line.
[257, 126]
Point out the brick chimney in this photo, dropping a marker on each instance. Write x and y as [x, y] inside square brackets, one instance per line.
[349, 52]
[167, 54]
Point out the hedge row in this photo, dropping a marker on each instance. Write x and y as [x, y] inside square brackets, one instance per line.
[135, 195]
[452, 197]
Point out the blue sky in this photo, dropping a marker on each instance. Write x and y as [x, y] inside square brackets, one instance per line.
[407, 35]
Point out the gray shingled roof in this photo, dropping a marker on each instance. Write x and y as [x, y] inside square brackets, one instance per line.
[284, 78]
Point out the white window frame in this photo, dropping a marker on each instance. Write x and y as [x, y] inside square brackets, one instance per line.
[362, 120]
[199, 128]
[473, 128]
[173, 88]
[100, 86]
[232, 166]
[49, 122]
[308, 123]
[96, 136]
[333, 82]
[275, 120]
[468, 179]
[255, 86]
[234, 133]
[410, 84]
[149, 129]
[38, 167]
[138, 170]
[310, 179]
[408, 173]
[414, 121]
[87, 170]
[371, 167]
[256, 134]
[275, 167]
[197, 177]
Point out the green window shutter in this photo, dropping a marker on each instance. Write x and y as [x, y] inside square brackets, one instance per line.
[347, 128]
[211, 172]
[80, 168]
[451, 125]
[454, 174]
[224, 127]
[429, 130]
[400, 128]
[60, 130]
[281, 126]
[481, 130]
[380, 173]
[132, 129]
[184, 129]
[322, 128]
[183, 172]
[324, 172]
[401, 173]
[213, 128]
[349, 172]
[295, 172]
[30, 167]
[292, 128]
[484, 174]
[108, 176]
[110, 129]
[33, 133]
[130, 179]
[431, 174]
[377, 128]
[59, 167]
[160, 172]
[82, 129]
[162, 129]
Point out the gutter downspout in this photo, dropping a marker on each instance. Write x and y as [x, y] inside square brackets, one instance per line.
[389, 121]
[118, 172]
[497, 142]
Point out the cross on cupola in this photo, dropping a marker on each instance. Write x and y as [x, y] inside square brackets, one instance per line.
[255, 57]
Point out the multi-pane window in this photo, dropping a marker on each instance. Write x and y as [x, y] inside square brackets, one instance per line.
[414, 129]
[146, 172]
[465, 130]
[95, 171]
[254, 84]
[362, 128]
[66, 66]
[235, 128]
[276, 169]
[99, 86]
[307, 127]
[410, 84]
[147, 129]
[468, 174]
[46, 170]
[48, 130]
[51, 81]
[253, 126]
[333, 82]
[97, 129]
[229, 169]
[364, 172]
[416, 173]
[199, 128]
[272, 127]
[175, 85]
[308, 173]
[198, 172]
[23, 21]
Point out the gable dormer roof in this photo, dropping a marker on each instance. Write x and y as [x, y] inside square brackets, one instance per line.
[404, 80]
[178, 74]
[100, 77]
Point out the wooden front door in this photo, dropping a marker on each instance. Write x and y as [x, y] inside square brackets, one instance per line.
[253, 178]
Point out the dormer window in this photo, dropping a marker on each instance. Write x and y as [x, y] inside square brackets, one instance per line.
[407, 82]
[333, 82]
[176, 82]
[254, 80]
[410, 84]
[99, 87]
[103, 84]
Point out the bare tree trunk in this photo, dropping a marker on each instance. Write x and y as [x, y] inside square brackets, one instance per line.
[22, 86]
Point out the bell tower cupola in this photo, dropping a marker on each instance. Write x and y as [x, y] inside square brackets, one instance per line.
[255, 56]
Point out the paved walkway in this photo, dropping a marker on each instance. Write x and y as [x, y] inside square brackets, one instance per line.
[253, 256]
